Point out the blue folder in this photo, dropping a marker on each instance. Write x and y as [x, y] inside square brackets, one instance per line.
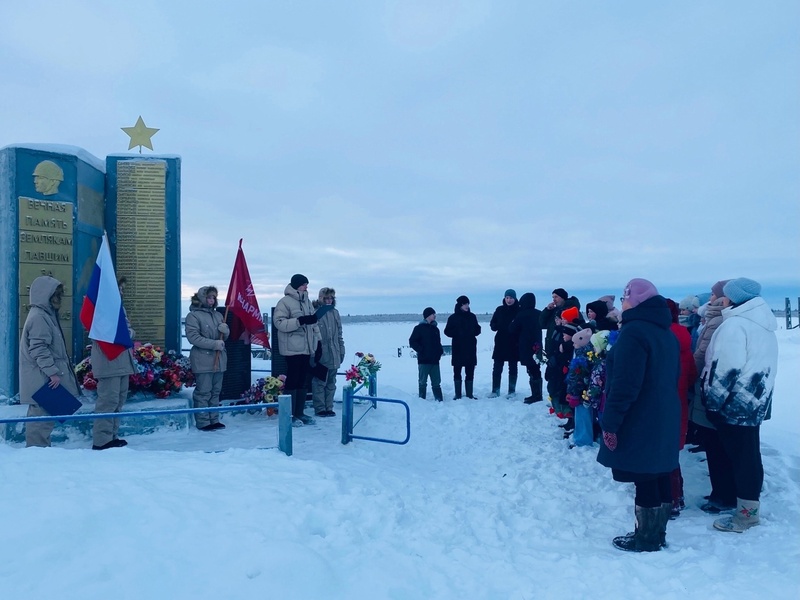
[56, 401]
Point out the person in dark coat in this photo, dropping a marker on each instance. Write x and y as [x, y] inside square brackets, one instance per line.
[641, 419]
[597, 312]
[427, 343]
[547, 319]
[463, 327]
[506, 344]
[529, 332]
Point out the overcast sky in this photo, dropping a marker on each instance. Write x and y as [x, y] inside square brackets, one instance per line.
[443, 147]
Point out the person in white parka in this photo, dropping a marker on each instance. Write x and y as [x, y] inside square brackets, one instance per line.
[738, 381]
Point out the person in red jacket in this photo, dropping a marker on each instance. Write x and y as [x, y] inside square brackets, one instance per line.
[686, 381]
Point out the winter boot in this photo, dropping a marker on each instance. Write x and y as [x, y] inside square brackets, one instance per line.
[457, 385]
[495, 386]
[422, 391]
[468, 385]
[666, 507]
[301, 407]
[536, 391]
[647, 536]
[745, 517]
[437, 393]
[512, 386]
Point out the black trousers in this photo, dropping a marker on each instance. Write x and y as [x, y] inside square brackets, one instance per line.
[298, 368]
[469, 372]
[652, 489]
[720, 468]
[743, 445]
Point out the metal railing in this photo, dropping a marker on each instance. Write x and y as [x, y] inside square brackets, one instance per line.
[284, 406]
[348, 400]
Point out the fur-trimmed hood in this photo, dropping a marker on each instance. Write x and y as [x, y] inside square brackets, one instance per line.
[326, 291]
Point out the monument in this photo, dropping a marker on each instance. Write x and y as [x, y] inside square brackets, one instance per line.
[55, 203]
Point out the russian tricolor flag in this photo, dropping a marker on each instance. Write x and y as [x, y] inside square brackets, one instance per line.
[102, 314]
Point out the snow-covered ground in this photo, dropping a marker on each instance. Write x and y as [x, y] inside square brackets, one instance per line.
[485, 502]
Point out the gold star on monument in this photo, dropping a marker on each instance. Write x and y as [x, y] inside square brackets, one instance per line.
[140, 135]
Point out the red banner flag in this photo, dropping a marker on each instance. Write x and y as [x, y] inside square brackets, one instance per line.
[242, 302]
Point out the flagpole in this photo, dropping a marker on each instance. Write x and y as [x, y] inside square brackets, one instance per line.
[225, 318]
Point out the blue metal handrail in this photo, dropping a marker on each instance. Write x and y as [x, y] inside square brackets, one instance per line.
[284, 406]
[347, 417]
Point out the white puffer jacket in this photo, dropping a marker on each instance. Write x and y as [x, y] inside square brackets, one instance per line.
[741, 364]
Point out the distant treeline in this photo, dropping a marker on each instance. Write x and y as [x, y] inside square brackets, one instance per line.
[442, 317]
[403, 317]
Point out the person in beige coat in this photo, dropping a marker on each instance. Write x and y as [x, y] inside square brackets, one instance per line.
[332, 355]
[113, 380]
[298, 338]
[43, 356]
[206, 332]
[720, 471]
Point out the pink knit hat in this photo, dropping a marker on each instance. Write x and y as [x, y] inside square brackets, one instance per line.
[638, 290]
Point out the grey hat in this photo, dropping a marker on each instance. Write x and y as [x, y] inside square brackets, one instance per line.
[511, 293]
[428, 312]
[741, 290]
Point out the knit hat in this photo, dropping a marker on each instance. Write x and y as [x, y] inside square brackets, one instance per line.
[609, 300]
[741, 290]
[582, 338]
[571, 314]
[561, 292]
[511, 293]
[298, 280]
[461, 301]
[673, 309]
[599, 307]
[428, 312]
[689, 303]
[703, 298]
[716, 289]
[638, 290]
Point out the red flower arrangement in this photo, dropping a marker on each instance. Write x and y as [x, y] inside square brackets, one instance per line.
[157, 372]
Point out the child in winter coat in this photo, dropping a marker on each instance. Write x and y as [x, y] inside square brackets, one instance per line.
[426, 341]
[578, 381]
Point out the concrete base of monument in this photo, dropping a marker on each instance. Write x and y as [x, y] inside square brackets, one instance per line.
[136, 425]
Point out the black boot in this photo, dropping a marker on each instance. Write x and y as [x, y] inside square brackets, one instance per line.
[437, 393]
[495, 385]
[457, 385]
[647, 536]
[468, 389]
[422, 390]
[536, 391]
[512, 385]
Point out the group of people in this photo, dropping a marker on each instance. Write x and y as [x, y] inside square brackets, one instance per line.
[309, 339]
[632, 379]
[635, 380]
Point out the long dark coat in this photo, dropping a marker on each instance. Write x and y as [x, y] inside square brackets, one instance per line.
[527, 328]
[506, 344]
[642, 405]
[463, 327]
[426, 341]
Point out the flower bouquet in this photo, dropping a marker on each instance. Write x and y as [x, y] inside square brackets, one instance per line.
[157, 372]
[360, 372]
[265, 390]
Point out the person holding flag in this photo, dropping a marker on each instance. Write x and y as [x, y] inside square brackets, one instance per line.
[113, 380]
[104, 317]
[206, 332]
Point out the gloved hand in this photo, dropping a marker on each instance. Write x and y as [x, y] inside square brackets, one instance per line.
[223, 329]
[573, 401]
[307, 319]
[610, 440]
[219, 345]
